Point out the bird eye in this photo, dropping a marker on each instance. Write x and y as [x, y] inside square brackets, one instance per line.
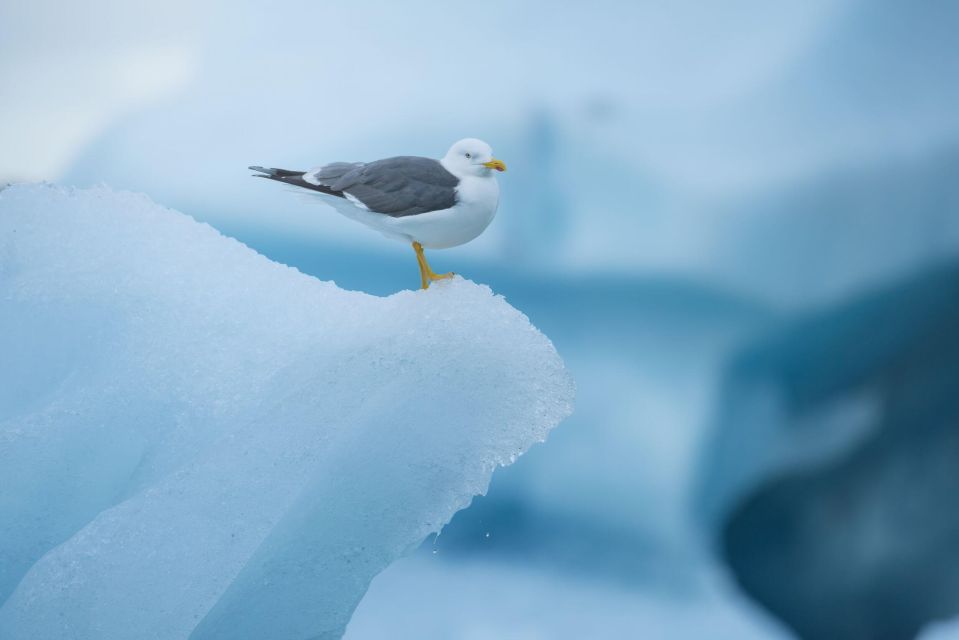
[468, 155]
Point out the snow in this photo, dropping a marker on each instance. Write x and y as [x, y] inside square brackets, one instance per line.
[198, 442]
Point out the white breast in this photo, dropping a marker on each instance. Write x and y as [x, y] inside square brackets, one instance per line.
[477, 200]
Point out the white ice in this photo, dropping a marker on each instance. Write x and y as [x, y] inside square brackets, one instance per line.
[197, 442]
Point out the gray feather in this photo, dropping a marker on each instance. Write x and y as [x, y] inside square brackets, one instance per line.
[330, 173]
[398, 187]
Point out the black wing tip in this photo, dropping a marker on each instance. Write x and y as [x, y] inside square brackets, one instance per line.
[263, 172]
[294, 178]
[277, 174]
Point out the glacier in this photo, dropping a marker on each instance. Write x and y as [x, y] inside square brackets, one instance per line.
[198, 442]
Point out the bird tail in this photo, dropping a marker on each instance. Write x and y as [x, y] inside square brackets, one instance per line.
[276, 173]
[294, 178]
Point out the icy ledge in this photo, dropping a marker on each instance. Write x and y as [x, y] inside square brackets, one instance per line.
[197, 442]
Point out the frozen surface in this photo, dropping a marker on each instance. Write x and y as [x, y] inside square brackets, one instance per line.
[198, 442]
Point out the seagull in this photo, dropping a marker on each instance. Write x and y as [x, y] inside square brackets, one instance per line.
[429, 203]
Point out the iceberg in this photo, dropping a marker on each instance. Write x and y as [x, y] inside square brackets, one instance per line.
[198, 442]
[833, 462]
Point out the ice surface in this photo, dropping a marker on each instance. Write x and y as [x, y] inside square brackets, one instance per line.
[198, 442]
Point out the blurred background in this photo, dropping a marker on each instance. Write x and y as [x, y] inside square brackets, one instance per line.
[738, 222]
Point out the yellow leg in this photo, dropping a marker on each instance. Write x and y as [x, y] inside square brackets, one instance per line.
[427, 275]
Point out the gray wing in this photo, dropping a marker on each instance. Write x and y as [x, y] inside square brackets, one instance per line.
[398, 187]
[330, 173]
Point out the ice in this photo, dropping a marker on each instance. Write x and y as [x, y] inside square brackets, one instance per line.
[947, 630]
[610, 494]
[198, 442]
[833, 461]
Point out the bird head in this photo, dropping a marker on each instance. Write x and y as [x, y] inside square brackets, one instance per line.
[471, 157]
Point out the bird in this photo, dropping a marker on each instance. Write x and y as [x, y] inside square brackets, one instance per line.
[428, 203]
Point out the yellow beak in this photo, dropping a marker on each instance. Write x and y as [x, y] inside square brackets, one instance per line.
[495, 164]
